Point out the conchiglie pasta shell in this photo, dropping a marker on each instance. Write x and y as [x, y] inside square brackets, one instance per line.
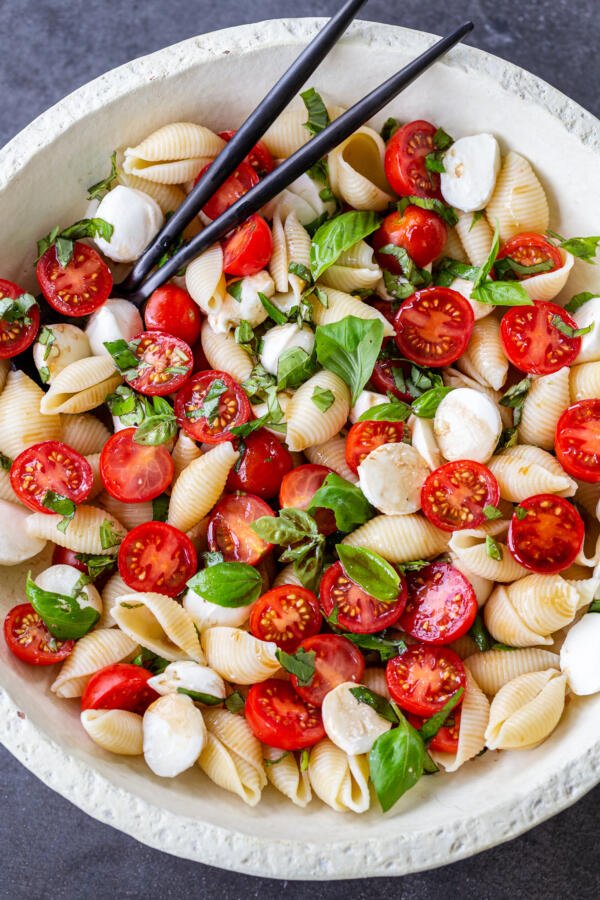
[474, 718]
[200, 485]
[239, 657]
[506, 625]
[93, 651]
[544, 602]
[588, 496]
[234, 733]
[356, 171]
[288, 132]
[341, 305]
[526, 710]
[21, 422]
[82, 386]
[177, 140]
[584, 381]
[523, 471]
[484, 358]
[453, 247]
[297, 240]
[547, 285]
[375, 680]
[399, 538]
[476, 238]
[287, 576]
[354, 270]
[339, 780]
[198, 535]
[306, 423]
[547, 399]
[483, 587]
[286, 776]
[469, 545]
[83, 532]
[333, 455]
[495, 668]
[185, 451]
[278, 264]
[115, 730]
[453, 378]
[130, 514]
[224, 354]
[113, 590]
[160, 624]
[168, 196]
[84, 433]
[205, 281]
[229, 771]
[519, 202]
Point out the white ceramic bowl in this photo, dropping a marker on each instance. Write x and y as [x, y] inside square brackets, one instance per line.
[44, 172]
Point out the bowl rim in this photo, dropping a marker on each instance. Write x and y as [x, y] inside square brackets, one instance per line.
[201, 841]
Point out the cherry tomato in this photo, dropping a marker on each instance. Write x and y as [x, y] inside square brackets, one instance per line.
[405, 161]
[229, 529]
[423, 678]
[434, 326]
[171, 309]
[298, 488]
[210, 404]
[165, 363]
[61, 556]
[120, 686]
[441, 604]
[134, 472]
[530, 249]
[337, 659]
[533, 343]
[17, 335]
[446, 740]
[248, 248]
[383, 380]
[50, 466]
[420, 232]
[357, 610]
[234, 187]
[280, 718]
[577, 442]
[155, 556]
[78, 289]
[364, 437]
[264, 462]
[548, 536]
[455, 495]
[27, 636]
[285, 615]
[259, 157]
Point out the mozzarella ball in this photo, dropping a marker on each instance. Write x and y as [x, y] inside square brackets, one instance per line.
[391, 478]
[282, 338]
[472, 165]
[580, 655]
[116, 320]
[467, 425]
[62, 579]
[209, 615]
[589, 314]
[136, 219]
[64, 345]
[366, 400]
[190, 676]
[248, 307]
[16, 545]
[174, 735]
[424, 442]
[351, 725]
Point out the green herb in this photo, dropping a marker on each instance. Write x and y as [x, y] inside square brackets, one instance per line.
[64, 241]
[301, 271]
[386, 647]
[568, 330]
[414, 275]
[507, 267]
[594, 606]
[493, 548]
[244, 333]
[130, 407]
[160, 426]
[44, 374]
[502, 293]
[515, 398]
[371, 571]
[318, 117]
[96, 564]
[578, 300]
[294, 367]
[109, 538]
[278, 317]
[350, 348]
[389, 128]
[477, 215]
[425, 406]
[199, 697]
[98, 190]
[431, 726]
[229, 584]
[64, 617]
[5, 462]
[395, 411]
[381, 706]
[414, 565]
[520, 513]
[322, 398]
[212, 557]
[273, 762]
[210, 403]
[235, 702]
[313, 227]
[508, 438]
[350, 506]
[149, 660]
[480, 634]
[301, 664]
[297, 531]
[17, 310]
[444, 211]
[492, 512]
[582, 247]
[124, 356]
[338, 235]
[60, 505]
[319, 171]
[434, 161]
[448, 269]
[396, 762]
[304, 760]
[396, 286]
[487, 266]
[234, 289]
[160, 508]
[46, 338]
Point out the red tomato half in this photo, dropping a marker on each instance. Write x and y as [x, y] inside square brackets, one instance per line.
[50, 466]
[424, 678]
[27, 636]
[441, 604]
[78, 289]
[280, 718]
[530, 249]
[171, 309]
[298, 488]
[155, 556]
[548, 538]
[259, 157]
[577, 441]
[210, 404]
[120, 686]
[248, 248]
[533, 343]
[229, 529]
[165, 363]
[434, 326]
[357, 610]
[134, 472]
[383, 380]
[455, 495]
[61, 556]
[422, 234]
[285, 615]
[234, 187]
[446, 740]
[364, 437]
[265, 460]
[19, 334]
[336, 660]
[405, 161]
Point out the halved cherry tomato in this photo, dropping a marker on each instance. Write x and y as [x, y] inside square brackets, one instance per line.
[364, 437]
[134, 472]
[17, 335]
[234, 187]
[229, 529]
[298, 488]
[336, 660]
[280, 718]
[548, 535]
[530, 249]
[455, 495]
[171, 309]
[165, 363]
[441, 604]
[446, 740]
[248, 248]
[120, 686]
[434, 326]
[27, 636]
[423, 678]
[61, 556]
[533, 343]
[265, 460]
[405, 161]
[50, 466]
[286, 615]
[577, 441]
[157, 557]
[383, 380]
[259, 157]
[357, 610]
[210, 404]
[419, 231]
[78, 289]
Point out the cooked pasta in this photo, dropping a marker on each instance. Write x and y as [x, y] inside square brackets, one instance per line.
[83, 533]
[168, 196]
[205, 281]
[200, 485]
[341, 304]
[519, 202]
[129, 514]
[484, 358]
[84, 433]
[471, 548]
[82, 386]
[160, 624]
[115, 730]
[356, 171]
[584, 381]
[173, 154]
[232, 757]
[308, 423]
[286, 775]
[526, 710]
[354, 270]
[495, 668]
[399, 538]
[93, 651]
[476, 237]
[113, 590]
[523, 471]
[474, 718]
[184, 452]
[238, 656]
[332, 453]
[339, 780]
[224, 354]
[544, 404]
[21, 423]
[527, 612]
[374, 679]
[287, 575]
[546, 285]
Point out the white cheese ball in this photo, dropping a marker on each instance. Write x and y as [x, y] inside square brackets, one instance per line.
[471, 167]
[391, 478]
[66, 344]
[424, 442]
[467, 425]
[16, 545]
[282, 338]
[366, 400]
[589, 314]
[136, 219]
[190, 676]
[580, 655]
[248, 307]
[174, 735]
[351, 725]
[116, 320]
[62, 579]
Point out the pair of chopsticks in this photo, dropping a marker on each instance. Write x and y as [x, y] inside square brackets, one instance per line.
[142, 281]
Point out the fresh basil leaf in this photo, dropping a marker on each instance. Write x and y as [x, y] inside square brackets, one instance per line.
[308, 564]
[431, 726]
[516, 394]
[304, 760]
[414, 275]
[211, 402]
[5, 462]
[273, 762]
[381, 706]
[449, 269]
[149, 660]
[301, 664]
[229, 584]
[507, 267]
[386, 647]
[64, 617]
[319, 171]
[156, 430]
[123, 355]
[422, 380]
[234, 289]
[395, 411]
[502, 293]
[582, 247]
[212, 558]
[128, 405]
[322, 398]
[492, 512]
[289, 527]
[350, 506]
[96, 564]
[98, 190]
[425, 406]
[389, 128]
[337, 235]
[477, 215]
[160, 508]
[244, 333]
[442, 140]
[568, 330]
[60, 505]
[414, 565]
[350, 348]
[301, 271]
[493, 548]
[508, 438]
[486, 268]
[199, 697]
[520, 513]
[434, 161]
[17, 310]
[275, 314]
[594, 606]
[480, 634]
[396, 286]
[44, 374]
[318, 117]
[441, 209]
[235, 702]
[396, 762]
[294, 367]
[46, 242]
[371, 571]
[313, 227]
[578, 300]
[46, 338]
[109, 538]
[64, 240]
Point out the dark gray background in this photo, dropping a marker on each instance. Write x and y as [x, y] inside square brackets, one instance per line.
[51, 849]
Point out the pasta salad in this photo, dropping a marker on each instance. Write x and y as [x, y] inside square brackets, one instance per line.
[325, 513]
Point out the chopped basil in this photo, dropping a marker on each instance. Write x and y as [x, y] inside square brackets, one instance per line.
[109, 538]
[234, 289]
[449, 269]
[235, 702]
[98, 190]
[414, 275]
[414, 565]
[493, 548]
[396, 762]
[486, 267]
[304, 760]
[477, 215]
[444, 211]
[149, 660]
[294, 367]
[64, 241]
[371, 571]
[594, 606]
[434, 161]
[297, 531]
[348, 503]
[63, 615]
[46, 338]
[159, 427]
[301, 664]
[386, 647]
[506, 267]
[44, 374]
[229, 584]
[519, 512]
[578, 300]
[337, 235]
[212, 558]
[381, 706]
[123, 354]
[278, 317]
[17, 310]
[396, 286]
[318, 117]
[319, 171]
[301, 271]
[492, 512]
[389, 128]
[244, 333]
[160, 508]
[394, 411]
[60, 505]
[5, 462]
[425, 406]
[502, 293]
[508, 438]
[350, 348]
[210, 403]
[431, 726]
[480, 635]
[515, 398]
[199, 697]
[129, 406]
[322, 398]
[568, 330]
[582, 247]
[96, 564]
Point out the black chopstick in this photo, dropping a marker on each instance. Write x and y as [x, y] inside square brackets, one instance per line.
[244, 140]
[298, 163]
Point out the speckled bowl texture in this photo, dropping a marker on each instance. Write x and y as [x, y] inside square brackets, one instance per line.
[44, 173]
